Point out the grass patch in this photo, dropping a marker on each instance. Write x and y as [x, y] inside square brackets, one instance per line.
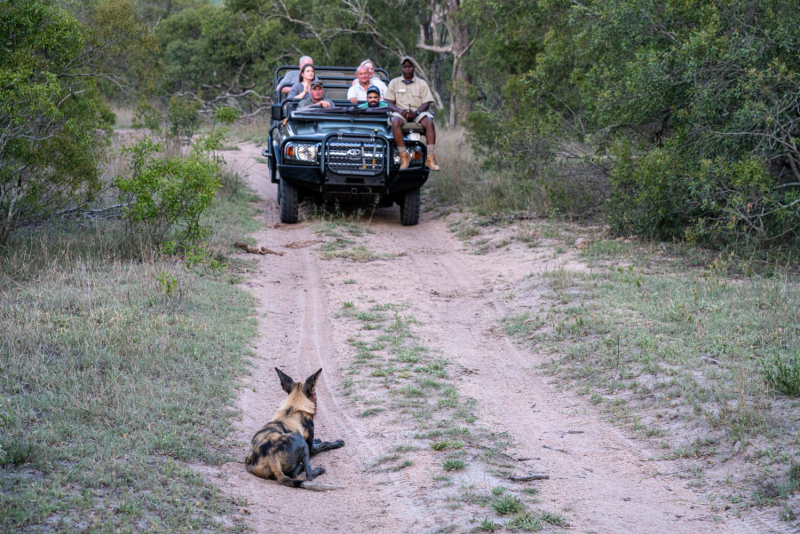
[116, 379]
[507, 504]
[454, 464]
[666, 346]
[487, 525]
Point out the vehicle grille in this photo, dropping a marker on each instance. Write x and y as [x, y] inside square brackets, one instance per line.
[365, 156]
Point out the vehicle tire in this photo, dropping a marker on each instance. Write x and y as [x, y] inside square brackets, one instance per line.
[409, 208]
[289, 202]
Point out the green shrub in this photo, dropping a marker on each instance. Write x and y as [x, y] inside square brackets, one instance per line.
[507, 504]
[487, 525]
[53, 120]
[782, 373]
[184, 118]
[453, 464]
[527, 523]
[168, 192]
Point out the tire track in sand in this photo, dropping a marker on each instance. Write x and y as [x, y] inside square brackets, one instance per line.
[293, 334]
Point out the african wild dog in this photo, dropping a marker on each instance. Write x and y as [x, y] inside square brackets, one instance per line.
[281, 448]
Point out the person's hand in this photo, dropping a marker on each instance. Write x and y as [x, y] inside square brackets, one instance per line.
[412, 115]
[325, 104]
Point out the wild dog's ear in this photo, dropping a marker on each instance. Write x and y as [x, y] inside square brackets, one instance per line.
[286, 381]
[311, 381]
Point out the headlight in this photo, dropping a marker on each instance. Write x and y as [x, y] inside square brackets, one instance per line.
[301, 152]
[416, 156]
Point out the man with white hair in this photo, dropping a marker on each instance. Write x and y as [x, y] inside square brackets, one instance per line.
[293, 77]
[358, 92]
[373, 80]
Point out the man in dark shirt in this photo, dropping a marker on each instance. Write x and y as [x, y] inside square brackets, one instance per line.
[317, 97]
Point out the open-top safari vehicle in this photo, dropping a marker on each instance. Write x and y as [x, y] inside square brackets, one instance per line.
[342, 154]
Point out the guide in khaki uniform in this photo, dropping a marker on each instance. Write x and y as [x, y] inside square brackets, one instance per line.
[409, 99]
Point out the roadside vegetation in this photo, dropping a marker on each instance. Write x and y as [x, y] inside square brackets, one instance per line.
[123, 335]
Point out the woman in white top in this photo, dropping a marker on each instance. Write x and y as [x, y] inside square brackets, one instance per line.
[302, 89]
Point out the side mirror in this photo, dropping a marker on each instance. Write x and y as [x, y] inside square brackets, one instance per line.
[277, 112]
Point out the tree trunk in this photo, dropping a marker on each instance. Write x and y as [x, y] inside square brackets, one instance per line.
[460, 80]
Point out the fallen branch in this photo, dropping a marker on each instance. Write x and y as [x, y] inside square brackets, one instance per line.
[255, 250]
[526, 478]
[554, 449]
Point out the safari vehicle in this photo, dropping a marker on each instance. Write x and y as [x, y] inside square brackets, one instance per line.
[343, 154]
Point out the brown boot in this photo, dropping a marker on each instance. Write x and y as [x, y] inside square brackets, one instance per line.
[405, 160]
[430, 162]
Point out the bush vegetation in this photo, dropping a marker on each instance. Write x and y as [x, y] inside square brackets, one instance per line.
[679, 120]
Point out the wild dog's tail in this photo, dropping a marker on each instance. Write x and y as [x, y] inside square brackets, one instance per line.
[304, 484]
[316, 486]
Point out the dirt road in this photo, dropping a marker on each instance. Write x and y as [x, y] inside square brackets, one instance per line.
[599, 480]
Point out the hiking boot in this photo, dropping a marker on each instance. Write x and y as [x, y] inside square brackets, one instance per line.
[405, 160]
[430, 162]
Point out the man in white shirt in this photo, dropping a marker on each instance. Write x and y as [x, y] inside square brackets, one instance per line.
[358, 92]
[373, 80]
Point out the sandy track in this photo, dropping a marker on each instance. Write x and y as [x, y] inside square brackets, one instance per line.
[602, 482]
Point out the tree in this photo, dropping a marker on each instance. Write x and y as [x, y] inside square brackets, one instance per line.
[50, 106]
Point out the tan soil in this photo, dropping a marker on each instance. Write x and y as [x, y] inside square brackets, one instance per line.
[602, 483]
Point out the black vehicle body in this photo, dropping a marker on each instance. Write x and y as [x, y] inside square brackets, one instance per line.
[345, 154]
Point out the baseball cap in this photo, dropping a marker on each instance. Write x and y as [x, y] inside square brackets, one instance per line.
[373, 89]
[316, 83]
[409, 58]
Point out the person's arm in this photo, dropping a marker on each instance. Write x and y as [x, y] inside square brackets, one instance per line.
[427, 98]
[351, 95]
[422, 109]
[393, 107]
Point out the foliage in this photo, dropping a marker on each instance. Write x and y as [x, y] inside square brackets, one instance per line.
[183, 118]
[171, 191]
[782, 372]
[681, 118]
[52, 119]
[117, 389]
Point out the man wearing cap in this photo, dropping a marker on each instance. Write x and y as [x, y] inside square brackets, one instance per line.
[317, 94]
[409, 99]
[374, 99]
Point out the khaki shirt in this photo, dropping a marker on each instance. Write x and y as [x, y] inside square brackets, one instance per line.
[409, 96]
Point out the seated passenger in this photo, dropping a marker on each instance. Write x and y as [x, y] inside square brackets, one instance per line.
[317, 97]
[373, 80]
[293, 77]
[302, 89]
[358, 92]
[374, 99]
[409, 99]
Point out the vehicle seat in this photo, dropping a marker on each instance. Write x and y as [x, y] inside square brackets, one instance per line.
[412, 127]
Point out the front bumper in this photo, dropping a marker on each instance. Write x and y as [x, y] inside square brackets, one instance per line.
[369, 172]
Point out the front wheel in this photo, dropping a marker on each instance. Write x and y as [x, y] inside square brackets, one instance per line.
[409, 208]
[289, 202]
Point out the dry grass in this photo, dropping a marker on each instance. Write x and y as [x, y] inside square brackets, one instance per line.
[466, 182]
[676, 355]
[124, 116]
[118, 366]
